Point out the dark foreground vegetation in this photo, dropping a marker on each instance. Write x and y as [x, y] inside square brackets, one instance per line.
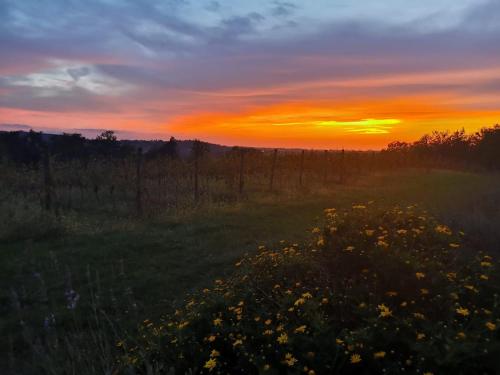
[99, 251]
[374, 291]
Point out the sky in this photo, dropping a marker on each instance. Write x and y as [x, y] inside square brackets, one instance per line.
[322, 74]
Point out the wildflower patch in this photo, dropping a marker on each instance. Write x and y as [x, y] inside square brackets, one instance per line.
[372, 292]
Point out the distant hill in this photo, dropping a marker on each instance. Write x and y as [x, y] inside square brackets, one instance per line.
[183, 146]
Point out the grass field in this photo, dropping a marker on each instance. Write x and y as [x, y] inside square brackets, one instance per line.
[155, 262]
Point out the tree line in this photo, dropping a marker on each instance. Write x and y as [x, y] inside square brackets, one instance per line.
[480, 149]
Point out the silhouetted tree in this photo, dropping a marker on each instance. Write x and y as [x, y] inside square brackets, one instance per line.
[107, 136]
[106, 144]
[199, 149]
[488, 147]
[69, 146]
[456, 148]
[21, 147]
[167, 149]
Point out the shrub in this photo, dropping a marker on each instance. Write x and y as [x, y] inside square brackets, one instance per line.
[373, 292]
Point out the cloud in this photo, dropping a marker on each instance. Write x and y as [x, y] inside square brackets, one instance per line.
[158, 61]
[77, 73]
[213, 6]
[283, 9]
[15, 127]
[483, 18]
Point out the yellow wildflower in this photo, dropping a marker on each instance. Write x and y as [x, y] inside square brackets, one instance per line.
[369, 232]
[462, 311]
[290, 360]
[443, 229]
[359, 207]
[471, 287]
[299, 302]
[300, 329]
[283, 338]
[382, 243]
[210, 364]
[379, 355]
[211, 338]
[355, 358]
[217, 322]
[384, 311]
[491, 326]
[420, 275]
[454, 245]
[349, 248]
[214, 353]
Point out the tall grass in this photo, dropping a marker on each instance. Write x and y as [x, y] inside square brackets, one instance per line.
[70, 328]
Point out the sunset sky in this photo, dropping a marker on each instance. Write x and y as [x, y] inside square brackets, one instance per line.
[316, 74]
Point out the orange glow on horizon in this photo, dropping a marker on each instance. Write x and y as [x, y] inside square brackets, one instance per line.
[352, 125]
[355, 124]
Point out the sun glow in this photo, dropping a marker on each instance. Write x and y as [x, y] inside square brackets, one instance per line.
[360, 124]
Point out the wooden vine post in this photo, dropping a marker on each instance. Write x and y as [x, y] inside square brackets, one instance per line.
[301, 171]
[342, 167]
[273, 168]
[138, 178]
[47, 181]
[242, 175]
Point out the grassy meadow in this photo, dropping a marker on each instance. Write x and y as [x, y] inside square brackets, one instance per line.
[76, 289]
